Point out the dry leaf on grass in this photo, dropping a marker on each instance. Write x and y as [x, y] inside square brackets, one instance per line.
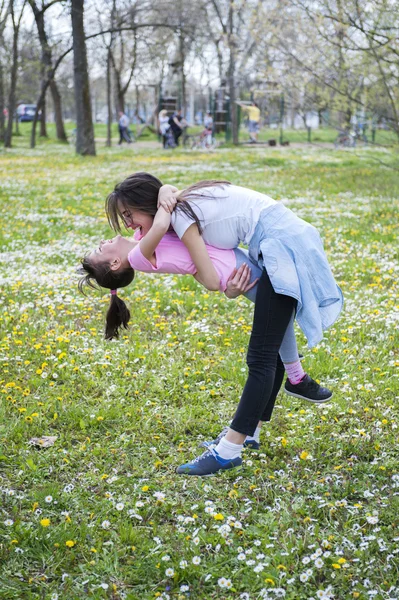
[43, 442]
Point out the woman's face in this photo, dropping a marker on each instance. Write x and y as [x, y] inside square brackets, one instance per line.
[135, 219]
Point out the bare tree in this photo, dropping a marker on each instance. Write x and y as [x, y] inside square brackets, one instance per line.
[47, 62]
[12, 100]
[4, 11]
[84, 122]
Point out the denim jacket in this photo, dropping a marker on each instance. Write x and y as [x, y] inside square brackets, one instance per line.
[292, 253]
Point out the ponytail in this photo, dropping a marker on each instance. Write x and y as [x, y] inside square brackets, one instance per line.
[118, 314]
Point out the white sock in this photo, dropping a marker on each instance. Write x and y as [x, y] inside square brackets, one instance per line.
[255, 436]
[227, 449]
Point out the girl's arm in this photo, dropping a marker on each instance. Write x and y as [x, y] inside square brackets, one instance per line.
[167, 197]
[158, 229]
[206, 272]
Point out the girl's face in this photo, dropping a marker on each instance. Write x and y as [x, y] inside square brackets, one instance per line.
[110, 250]
[135, 219]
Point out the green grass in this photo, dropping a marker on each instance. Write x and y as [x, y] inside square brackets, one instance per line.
[127, 413]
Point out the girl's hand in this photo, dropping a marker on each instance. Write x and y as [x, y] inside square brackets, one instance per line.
[150, 241]
[167, 197]
[239, 282]
[162, 219]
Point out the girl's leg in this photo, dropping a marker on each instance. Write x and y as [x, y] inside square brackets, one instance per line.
[289, 348]
[271, 318]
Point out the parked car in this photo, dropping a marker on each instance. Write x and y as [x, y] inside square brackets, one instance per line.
[26, 112]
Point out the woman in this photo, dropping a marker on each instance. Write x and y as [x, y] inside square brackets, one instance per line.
[295, 277]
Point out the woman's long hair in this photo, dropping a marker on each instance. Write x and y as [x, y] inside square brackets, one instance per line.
[118, 314]
[140, 191]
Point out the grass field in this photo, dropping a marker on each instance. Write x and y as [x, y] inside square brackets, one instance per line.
[101, 513]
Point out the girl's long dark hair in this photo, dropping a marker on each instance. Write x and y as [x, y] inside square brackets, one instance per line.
[118, 314]
[140, 191]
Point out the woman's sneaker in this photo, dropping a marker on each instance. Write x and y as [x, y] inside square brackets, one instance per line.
[208, 463]
[214, 442]
[249, 443]
[308, 389]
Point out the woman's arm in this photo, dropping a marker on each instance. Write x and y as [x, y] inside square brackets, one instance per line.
[206, 272]
[239, 282]
[158, 229]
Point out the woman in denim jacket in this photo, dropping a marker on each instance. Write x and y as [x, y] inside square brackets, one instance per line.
[296, 277]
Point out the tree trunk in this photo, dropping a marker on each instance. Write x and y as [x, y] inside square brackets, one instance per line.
[43, 129]
[2, 119]
[109, 105]
[183, 75]
[231, 75]
[84, 121]
[59, 121]
[137, 100]
[47, 64]
[13, 88]
[39, 105]
[119, 93]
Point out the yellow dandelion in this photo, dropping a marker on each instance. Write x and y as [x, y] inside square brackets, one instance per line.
[70, 543]
[218, 517]
[45, 522]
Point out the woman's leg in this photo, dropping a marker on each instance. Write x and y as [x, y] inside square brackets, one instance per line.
[271, 318]
[278, 380]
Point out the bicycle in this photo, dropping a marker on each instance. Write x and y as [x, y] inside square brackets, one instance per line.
[202, 141]
[345, 139]
[187, 139]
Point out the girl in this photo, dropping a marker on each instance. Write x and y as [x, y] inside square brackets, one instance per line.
[113, 264]
[295, 277]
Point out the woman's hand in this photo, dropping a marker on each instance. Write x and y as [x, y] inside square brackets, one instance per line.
[167, 197]
[239, 282]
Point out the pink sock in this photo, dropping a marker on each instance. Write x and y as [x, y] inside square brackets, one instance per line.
[295, 373]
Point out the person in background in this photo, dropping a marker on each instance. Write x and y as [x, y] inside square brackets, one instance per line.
[208, 121]
[123, 125]
[177, 123]
[164, 126]
[253, 112]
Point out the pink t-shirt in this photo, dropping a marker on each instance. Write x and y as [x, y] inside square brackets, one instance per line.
[172, 256]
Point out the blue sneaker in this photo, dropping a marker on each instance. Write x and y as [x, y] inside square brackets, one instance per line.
[251, 443]
[208, 463]
[214, 442]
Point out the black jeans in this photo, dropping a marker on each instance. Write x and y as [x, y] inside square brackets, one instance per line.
[176, 135]
[266, 371]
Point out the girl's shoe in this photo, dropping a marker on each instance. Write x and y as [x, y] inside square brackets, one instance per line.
[308, 389]
[208, 463]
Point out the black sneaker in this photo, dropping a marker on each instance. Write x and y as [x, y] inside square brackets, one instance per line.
[308, 389]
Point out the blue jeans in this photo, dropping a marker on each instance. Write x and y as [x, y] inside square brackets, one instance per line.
[288, 349]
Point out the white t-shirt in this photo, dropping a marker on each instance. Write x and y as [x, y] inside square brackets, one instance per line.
[228, 215]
